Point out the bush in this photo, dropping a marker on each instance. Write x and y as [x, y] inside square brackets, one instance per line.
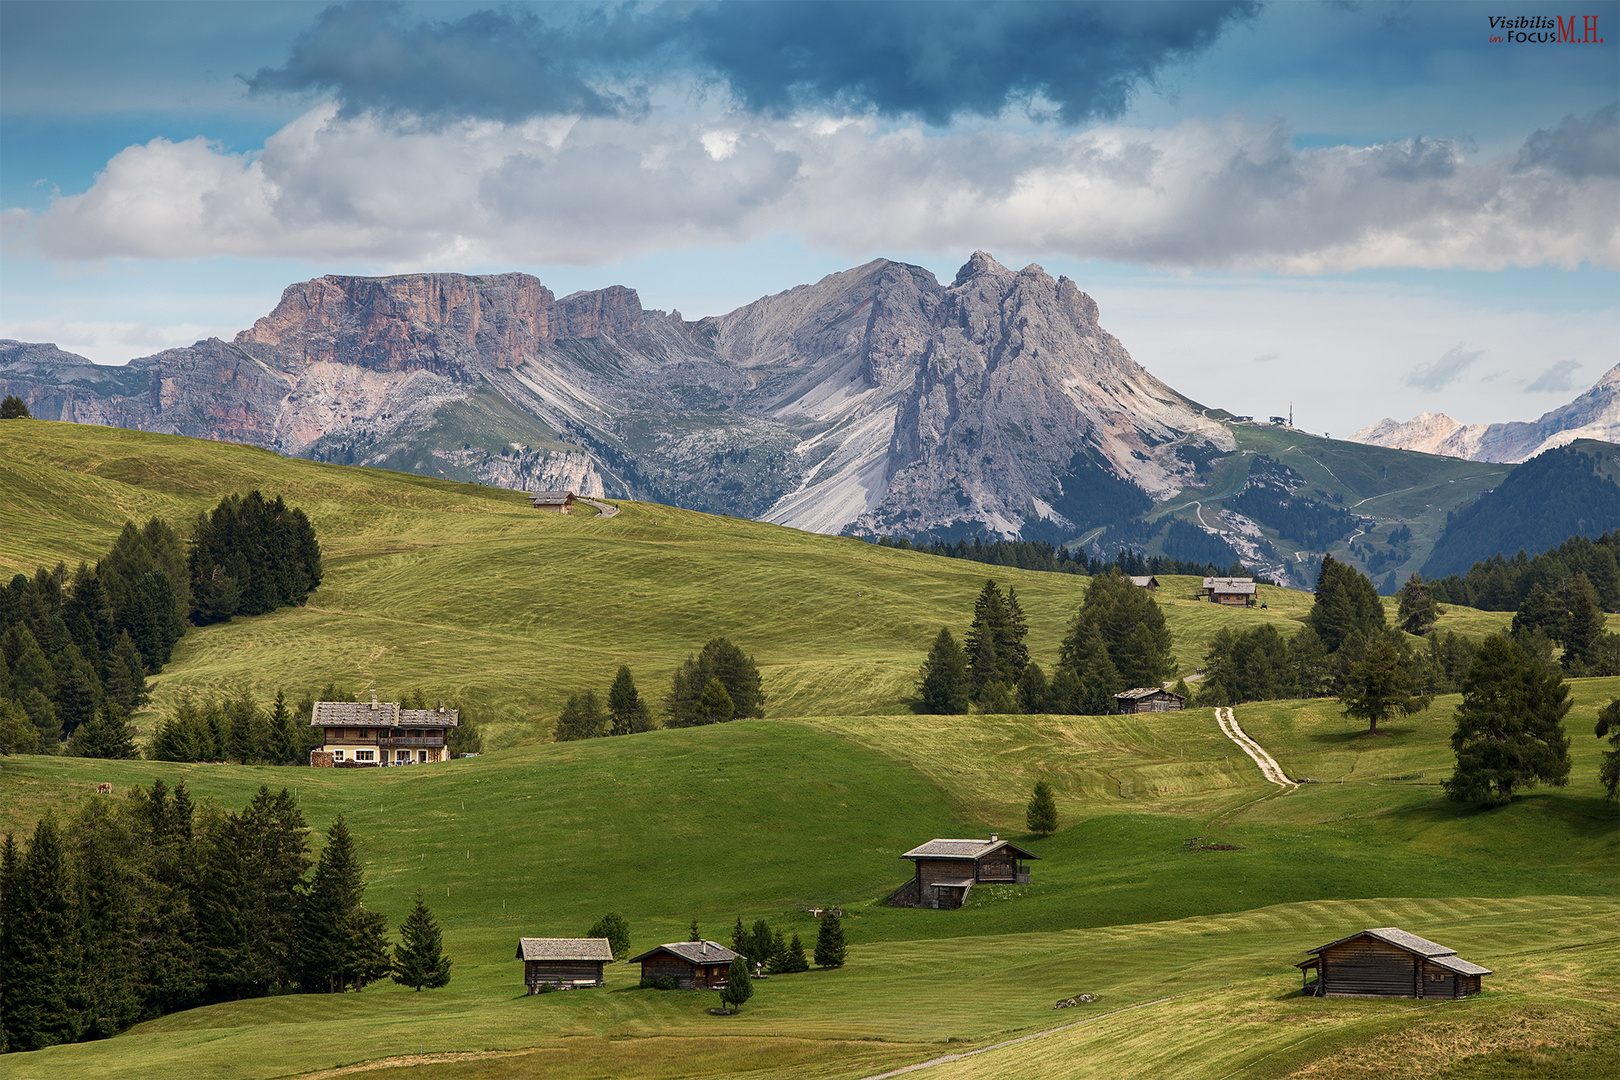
[666, 982]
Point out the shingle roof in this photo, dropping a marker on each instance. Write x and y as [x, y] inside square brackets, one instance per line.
[963, 849]
[1459, 965]
[1398, 938]
[1143, 582]
[1146, 691]
[550, 498]
[698, 952]
[379, 714]
[1230, 584]
[564, 948]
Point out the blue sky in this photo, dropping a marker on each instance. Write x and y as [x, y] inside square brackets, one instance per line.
[1361, 209]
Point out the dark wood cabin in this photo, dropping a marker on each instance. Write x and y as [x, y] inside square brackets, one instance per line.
[364, 734]
[700, 965]
[1149, 699]
[563, 962]
[1389, 962]
[947, 870]
[558, 502]
[1150, 583]
[1231, 591]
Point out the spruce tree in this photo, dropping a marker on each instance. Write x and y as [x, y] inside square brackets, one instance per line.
[1418, 611]
[830, 946]
[1510, 731]
[14, 408]
[739, 985]
[285, 747]
[419, 958]
[779, 953]
[759, 943]
[1608, 724]
[943, 682]
[1033, 691]
[795, 961]
[739, 938]
[1041, 814]
[1346, 602]
[13, 925]
[109, 735]
[616, 929]
[693, 933]
[17, 734]
[42, 982]
[1130, 626]
[582, 718]
[368, 946]
[1582, 624]
[106, 884]
[329, 921]
[629, 713]
[985, 635]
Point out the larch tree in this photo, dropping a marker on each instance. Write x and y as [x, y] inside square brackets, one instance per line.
[1380, 685]
[1418, 610]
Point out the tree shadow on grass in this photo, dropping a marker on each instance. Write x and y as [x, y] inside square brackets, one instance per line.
[1369, 740]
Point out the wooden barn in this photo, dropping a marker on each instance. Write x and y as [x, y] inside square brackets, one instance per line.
[1150, 583]
[701, 965]
[1149, 699]
[563, 962]
[947, 870]
[558, 502]
[1389, 962]
[1232, 591]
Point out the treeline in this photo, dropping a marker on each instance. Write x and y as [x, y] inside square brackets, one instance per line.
[1499, 584]
[720, 683]
[77, 648]
[147, 904]
[234, 727]
[1039, 555]
[1117, 640]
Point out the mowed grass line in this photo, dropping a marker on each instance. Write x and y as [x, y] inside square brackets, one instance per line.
[1242, 1004]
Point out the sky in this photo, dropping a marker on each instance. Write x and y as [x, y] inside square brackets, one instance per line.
[1354, 210]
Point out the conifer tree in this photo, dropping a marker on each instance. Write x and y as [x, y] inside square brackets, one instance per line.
[582, 718]
[1346, 602]
[759, 943]
[943, 683]
[739, 985]
[625, 706]
[1418, 611]
[105, 884]
[331, 934]
[17, 734]
[42, 981]
[1510, 731]
[984, 635]
[795, 961]
[14, 408]
[108, 735]
[1582, 624]
[1033, 691]
[1041, 814]
[1608, 724]
[369, 945]
[739, 938]
[714, 705]
[284, 748]
[1380, 685]
[616, 929]
[12, 926]
[779, 953]
[830, 946]
[1130, 626]
[419, 958]
[693, 933]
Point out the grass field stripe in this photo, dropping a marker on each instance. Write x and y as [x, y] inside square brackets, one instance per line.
[1268, 764]
[944, 1058]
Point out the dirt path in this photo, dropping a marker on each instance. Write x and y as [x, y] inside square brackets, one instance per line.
[607, 511]
[1268, 764]
[943, 1058]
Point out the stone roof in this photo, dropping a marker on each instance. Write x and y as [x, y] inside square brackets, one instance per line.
[379, 714]
[1144, 582]
[1430, 950]
[564, 948]
[697, 952]
[963, 849]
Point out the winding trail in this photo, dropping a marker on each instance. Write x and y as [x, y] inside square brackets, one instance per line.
[1268, 764]
[607, 511]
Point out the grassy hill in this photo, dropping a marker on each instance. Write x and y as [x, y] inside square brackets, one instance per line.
[467, 590]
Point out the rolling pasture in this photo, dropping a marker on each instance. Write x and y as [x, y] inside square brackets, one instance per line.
[466, 591]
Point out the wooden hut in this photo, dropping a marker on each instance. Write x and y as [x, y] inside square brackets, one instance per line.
[563, 962]
[1389, 962]
[1232, 591]
[1149, 699]
[1150, 583]
[558, 502]
[701, 965]
[947, 870]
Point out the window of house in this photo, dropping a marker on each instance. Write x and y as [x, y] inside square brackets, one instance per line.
[402, 755]
[337, 755]
[421, 755]
[365, 755]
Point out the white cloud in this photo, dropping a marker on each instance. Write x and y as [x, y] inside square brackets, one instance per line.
[1226, 194]
[109, 342]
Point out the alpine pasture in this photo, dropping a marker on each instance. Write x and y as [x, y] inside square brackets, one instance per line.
[466, 592]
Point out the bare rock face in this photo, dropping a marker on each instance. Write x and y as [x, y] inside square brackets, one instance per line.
[1593, 415]
[875, 400]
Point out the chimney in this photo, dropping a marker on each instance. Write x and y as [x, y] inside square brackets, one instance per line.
[994, 837]
[703, 949]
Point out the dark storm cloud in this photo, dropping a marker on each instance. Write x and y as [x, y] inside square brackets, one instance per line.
[925, 59]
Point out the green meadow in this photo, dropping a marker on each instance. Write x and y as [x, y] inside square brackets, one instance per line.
[465, 590]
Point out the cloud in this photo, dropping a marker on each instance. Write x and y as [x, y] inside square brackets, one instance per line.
[1226, 194]
[1577, 148]
[1444, 371]
[1555, 378]
[933, 60]
[1265, 358]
